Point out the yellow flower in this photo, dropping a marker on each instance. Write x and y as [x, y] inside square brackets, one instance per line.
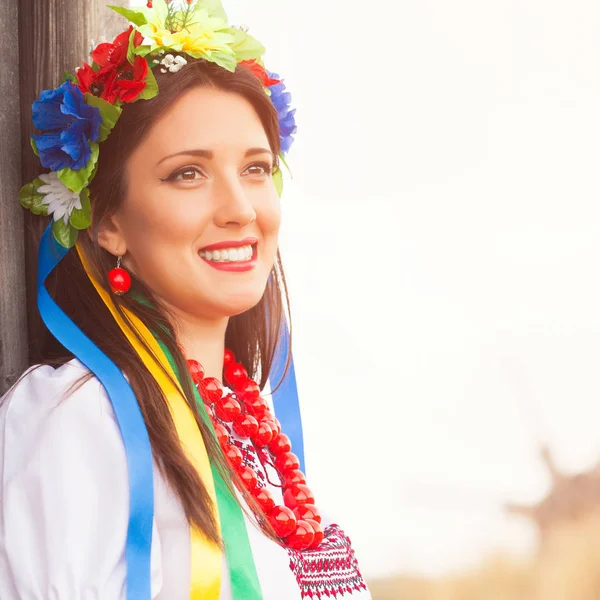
[206, 37]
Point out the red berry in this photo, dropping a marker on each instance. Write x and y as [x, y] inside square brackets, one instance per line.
[248, 476]
[286, 462]
[250, 390]
[257, 406]
[234, 455]
[222, 434]
[245, 426]
[120, 281]
[228, 357]
[196, 370]
[235, 374]
[211, 390]
[265, 499]
[263, 435]
[280, 444]
[149, 4]
[283, 521]
[297, 495]
[294, 478]
[302, 538]
[228, 408]
[319, 535]
[307, 512]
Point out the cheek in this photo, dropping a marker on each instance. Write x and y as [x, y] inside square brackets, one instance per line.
[269, 219]
[155, 219]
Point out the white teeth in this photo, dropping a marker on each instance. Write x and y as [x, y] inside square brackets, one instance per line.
[241, 254]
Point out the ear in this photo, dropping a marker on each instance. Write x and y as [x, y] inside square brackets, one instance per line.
[110, 236]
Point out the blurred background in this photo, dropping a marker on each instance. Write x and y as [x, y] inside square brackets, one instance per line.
[441, 238]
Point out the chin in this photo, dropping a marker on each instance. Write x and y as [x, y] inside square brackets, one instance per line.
[238, 304]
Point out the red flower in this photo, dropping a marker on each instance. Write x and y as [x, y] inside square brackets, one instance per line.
[130, 81]
[259, 72]
[117, 78]
[109, 56]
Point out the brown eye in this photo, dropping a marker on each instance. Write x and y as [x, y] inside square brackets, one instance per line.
[187, 174]
[261, 168]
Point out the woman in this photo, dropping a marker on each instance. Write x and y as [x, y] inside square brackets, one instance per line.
[130, 470]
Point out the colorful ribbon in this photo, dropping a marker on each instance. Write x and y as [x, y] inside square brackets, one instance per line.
[285, 398]
[245, 584]
[127, 413]
[206, 557]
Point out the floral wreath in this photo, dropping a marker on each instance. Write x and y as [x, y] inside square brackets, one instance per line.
[76, 117]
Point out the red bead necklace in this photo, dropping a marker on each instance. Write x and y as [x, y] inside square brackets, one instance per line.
[297, 522]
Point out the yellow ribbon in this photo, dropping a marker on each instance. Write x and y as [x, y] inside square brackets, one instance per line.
[206, 557]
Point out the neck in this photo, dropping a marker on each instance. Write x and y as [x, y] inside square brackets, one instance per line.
[203, 340]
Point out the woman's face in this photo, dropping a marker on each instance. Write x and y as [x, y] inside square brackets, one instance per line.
[200, 221]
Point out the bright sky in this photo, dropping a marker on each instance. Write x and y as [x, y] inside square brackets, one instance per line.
[441, 237]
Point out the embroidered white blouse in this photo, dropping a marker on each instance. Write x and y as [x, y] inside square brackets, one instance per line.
[64, 501]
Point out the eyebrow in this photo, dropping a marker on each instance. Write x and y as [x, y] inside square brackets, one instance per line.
[210, 154]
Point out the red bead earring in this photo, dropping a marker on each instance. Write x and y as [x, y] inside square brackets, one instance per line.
[120, 280]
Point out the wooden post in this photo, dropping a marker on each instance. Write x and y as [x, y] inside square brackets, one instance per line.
[13, 342]
[54, 36]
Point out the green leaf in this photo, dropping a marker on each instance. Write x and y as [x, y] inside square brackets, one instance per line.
[137, 18]
[33, 146]
[82, 218]
[278, 180]
[66, 76]
[131, 47]
[227, 61]
[144, 50]
[65, 234]
[161, 10]
[214, 8]
[244, 45]
[151, 88]
[31, 199]
[77, 180]
[109, 112]
[282, 159]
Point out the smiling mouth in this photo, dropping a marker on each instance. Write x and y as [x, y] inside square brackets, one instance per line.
[240, 254]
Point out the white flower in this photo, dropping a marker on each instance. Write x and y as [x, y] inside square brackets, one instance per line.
[173, 63]
[60, 199]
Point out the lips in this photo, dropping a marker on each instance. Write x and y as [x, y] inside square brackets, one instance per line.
[231, 255]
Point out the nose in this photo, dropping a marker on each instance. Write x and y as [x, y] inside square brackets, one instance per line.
[234, 205]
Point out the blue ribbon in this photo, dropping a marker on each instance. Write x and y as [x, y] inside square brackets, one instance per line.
[285, 398]
[129, 418]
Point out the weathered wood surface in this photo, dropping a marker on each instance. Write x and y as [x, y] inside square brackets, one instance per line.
[40, 39]
[13, 343]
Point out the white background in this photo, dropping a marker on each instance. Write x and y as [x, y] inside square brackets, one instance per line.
[441, 238]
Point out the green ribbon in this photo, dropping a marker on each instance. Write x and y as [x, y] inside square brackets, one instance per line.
[242, 569]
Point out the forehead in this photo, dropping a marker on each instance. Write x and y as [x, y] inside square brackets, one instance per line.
[204, 117]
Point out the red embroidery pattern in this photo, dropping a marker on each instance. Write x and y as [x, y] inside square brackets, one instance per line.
[330, 571]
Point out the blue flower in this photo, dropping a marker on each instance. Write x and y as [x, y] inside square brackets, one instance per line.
[69, 125]
[281, 99]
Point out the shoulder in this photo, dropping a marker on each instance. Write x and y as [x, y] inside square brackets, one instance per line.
[51, 416]
[42, 388]
[54, 412]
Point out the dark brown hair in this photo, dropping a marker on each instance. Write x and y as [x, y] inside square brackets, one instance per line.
[252, 335]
